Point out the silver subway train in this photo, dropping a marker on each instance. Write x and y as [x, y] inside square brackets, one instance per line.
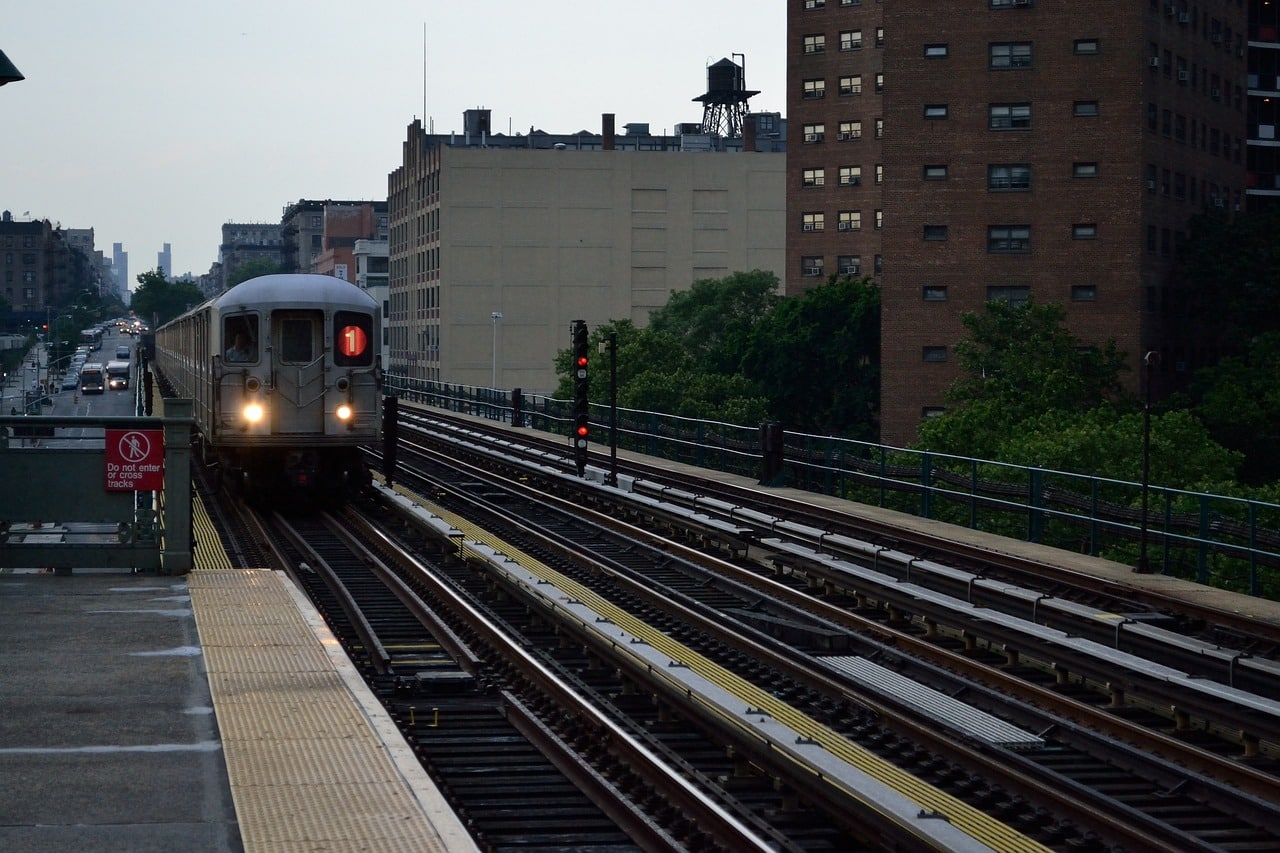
[284, 380]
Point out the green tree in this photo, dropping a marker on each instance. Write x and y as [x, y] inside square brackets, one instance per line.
[1239, 401]
[158, 300]
[1031, 395]
[816, 356]
[713, 319]
[1019, 361]
[252, 269]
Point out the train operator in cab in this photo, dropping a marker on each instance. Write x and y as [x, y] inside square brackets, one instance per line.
[241, 349]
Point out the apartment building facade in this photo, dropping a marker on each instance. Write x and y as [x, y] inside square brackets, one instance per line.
[498, 243]
[1015, 150]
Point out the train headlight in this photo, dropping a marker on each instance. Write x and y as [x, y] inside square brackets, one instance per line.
[344, 412]
[253, 412]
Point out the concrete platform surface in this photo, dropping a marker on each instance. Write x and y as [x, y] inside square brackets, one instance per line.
[108, 740]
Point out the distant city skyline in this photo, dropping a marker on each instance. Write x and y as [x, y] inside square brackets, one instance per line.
[206, 114]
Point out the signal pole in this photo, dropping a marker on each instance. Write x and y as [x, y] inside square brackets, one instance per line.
[581, 401]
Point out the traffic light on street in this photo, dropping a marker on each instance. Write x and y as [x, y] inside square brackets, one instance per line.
[581, 402]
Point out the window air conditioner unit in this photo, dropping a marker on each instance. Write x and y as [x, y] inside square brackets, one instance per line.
[1022, 2]
[1151, 185]
[1154, 62]
[844, 226]
[811, 137]
[842, 136]
[1183, 76]
[813, 270]
[808, 226]
[1219, 202]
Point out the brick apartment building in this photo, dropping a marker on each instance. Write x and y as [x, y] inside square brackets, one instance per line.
[1010, 149]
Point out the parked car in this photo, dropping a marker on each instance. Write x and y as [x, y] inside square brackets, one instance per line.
[71, 381]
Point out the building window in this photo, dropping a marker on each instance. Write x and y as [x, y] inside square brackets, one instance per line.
[1084, 170]
[879, 84]
[851, 84]
[1008, 239]
[814, 133]
[849, 220]
[811, 266]
[1084, 231]
[815, 4]
[1086, 108]
[935, 111]
[879, 36]
[814, 89]
[849, 265]
[1009, 4]
[879, 224]
[935, 173]
[813, 178]
[927, 412]
[1084, 293]
[934, 293]
[1003, 55]
[816, 43]
[850, 176]
[935, 232]
[936, 51]
[851, 40]
[879, 128]
[878, 264]
[879, 174]
[849, 130]
[1014, 294]
[934, 354]
[813, 221]
[1086, 47]
[1009, 117]
[1002, 177]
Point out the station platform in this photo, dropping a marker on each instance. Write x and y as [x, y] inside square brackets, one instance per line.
[209, 712]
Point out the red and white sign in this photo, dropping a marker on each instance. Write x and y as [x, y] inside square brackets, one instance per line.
[135, 460]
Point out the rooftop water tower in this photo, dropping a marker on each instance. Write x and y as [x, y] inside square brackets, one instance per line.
[724, 105]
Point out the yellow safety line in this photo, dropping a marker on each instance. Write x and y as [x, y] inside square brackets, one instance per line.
[977, 824]
[209, 554]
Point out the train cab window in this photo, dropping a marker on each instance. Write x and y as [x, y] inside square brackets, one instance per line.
[352, 339]
[240, 334]
[296, 340]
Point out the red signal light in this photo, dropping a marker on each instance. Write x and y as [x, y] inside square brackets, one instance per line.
[582, 430]
[582, 361]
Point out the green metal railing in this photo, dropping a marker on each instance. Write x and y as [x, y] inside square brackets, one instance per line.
[1216, 540]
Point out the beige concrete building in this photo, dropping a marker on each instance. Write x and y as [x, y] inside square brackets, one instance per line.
[542, 231]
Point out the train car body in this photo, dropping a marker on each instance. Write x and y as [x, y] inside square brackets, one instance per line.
[284, 381]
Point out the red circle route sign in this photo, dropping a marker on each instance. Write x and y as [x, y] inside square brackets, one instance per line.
[352, 341]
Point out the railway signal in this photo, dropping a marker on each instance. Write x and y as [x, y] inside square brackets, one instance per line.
[581, 403]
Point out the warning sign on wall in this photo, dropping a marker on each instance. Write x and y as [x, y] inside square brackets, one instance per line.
[135, 460]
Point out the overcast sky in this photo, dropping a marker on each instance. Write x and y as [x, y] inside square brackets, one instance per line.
[156, 121]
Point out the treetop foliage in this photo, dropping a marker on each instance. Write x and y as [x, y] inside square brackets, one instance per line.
[158, 300]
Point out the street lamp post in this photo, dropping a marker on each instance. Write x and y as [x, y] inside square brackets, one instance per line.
[493, 381]
[1149, 361]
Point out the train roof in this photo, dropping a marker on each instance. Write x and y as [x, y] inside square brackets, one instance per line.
[285, 290]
